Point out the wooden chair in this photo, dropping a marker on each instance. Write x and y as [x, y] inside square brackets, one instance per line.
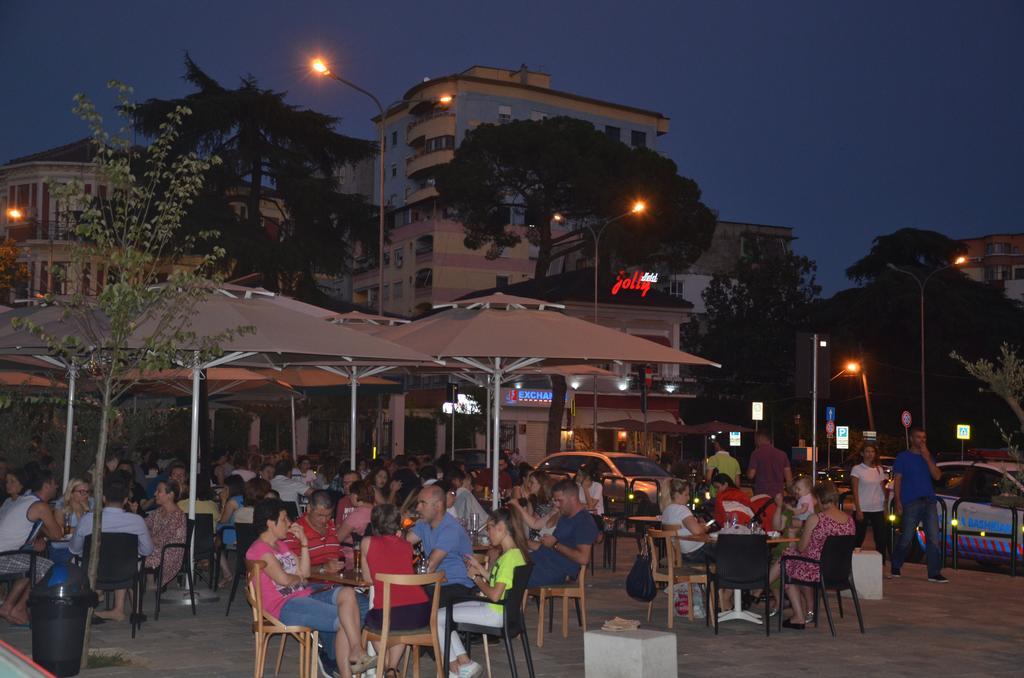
[674, 572]
[575, 591]
[415, 638]
[265, 625]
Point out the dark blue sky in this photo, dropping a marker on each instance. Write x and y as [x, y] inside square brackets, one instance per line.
[843, 120]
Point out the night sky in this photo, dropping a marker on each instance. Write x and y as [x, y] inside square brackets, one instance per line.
[842, 120]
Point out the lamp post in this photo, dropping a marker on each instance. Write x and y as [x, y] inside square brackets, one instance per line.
[921, 283]
[320, 66]
[639, 207]
[852, 368]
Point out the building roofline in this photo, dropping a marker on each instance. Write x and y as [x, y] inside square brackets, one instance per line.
[455, 77]
[45, 156]
[993, 235]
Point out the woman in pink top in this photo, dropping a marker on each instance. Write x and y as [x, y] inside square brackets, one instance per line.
[287, 596]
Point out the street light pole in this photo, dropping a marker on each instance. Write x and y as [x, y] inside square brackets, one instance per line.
[321, 67]
[921, 283]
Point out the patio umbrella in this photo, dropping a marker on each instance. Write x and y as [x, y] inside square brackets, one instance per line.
[500, 334]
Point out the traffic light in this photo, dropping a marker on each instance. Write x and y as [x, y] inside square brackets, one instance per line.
[452, 394]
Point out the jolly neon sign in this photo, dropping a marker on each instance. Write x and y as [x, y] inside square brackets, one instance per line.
[640, 281]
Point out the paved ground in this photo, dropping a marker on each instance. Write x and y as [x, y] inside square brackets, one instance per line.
[972, 626]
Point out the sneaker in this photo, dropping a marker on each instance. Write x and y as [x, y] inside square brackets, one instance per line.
[938, 579]
[809, 618]
[470, 670]
[328, 668]
[895, 572]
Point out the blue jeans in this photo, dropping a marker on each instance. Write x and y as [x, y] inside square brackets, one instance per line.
[320, 611]
[919, 511]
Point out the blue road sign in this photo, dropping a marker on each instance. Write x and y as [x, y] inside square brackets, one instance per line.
[830, 413]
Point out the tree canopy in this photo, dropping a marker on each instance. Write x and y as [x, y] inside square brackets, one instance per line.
[275, 155]
[567, 167]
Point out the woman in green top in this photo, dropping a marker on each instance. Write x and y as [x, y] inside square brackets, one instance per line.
[505, 532]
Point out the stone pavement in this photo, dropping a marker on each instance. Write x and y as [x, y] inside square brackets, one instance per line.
[972, 626]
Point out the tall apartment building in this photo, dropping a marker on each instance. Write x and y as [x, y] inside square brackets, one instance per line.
[998, 260]
[426, 261]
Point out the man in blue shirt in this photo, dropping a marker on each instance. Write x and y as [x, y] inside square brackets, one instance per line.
[914, 471]
[445, 543]
[557, 557]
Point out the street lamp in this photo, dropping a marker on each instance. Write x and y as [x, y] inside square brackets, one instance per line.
[852, 369]
[321, 67]
[638, 207]
[15, 214]
[921, 283]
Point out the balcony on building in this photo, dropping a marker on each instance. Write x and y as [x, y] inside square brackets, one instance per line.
[435, 151]
[439, 123]
[422, 191]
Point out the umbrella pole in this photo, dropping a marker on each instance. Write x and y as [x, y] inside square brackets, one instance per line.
[487, 418]
[69, 433]
[193, 466]
[353, 388]
[495, 489]
[295, 447]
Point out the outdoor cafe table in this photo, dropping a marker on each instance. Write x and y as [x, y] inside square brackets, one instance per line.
[345, 577]
[737, 611]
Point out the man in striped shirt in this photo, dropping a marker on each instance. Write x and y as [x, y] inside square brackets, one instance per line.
[322, 533]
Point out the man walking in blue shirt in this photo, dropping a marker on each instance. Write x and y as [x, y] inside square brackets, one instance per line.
[914, 472]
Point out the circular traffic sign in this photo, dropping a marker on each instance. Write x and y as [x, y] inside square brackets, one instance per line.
[905, 419]
[830, 428]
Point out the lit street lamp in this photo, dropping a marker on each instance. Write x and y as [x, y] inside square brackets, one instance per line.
[638, 207]
[852, 369]
[921, 283]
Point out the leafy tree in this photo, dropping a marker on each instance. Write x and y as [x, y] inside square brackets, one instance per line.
[752, 317]
[134, 226]
[907, 247]
[274, 154]
[565, 166]
[11, 272]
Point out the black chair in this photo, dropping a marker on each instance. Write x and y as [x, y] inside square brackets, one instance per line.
[120, 567]
[836, 574]
[158, 571]
[203, 546]
[741, 561]
[245, 536]
[292, 509]
[514, 623]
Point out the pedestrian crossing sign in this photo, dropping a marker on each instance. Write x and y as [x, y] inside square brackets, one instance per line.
[963, 431]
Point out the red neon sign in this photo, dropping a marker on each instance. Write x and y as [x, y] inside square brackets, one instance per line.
[639, 281]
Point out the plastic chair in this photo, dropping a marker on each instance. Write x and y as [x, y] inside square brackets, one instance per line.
[158, 571]
[120, 567]
[265, 625]
[836, 574]
[245, 536]
[741, 561]
[575, 591]
[673, 573]
[513, 622]
[415, 638]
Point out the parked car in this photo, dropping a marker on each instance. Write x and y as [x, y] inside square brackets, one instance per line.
[625, 477]
[983, 529]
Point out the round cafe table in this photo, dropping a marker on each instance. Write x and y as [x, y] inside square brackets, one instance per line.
[737, 611]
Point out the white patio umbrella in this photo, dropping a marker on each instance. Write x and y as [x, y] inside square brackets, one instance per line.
[501, 334]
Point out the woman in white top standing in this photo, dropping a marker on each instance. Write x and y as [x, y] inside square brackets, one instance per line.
[678, 513]
[869, 498]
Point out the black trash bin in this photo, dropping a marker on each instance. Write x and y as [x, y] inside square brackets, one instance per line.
[60, 603]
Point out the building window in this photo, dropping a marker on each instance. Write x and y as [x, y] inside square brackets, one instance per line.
[638, 139]
[394, 170]
[1018, 273]
[504, 114]
[398, 289]
[613, 131]
[424, 279]
[387, 291]
[440, 143]
[399, 257]
[517, 215]
[424, 244]
[677, 288]
[387, 257]
[501, 281]
[394, 138]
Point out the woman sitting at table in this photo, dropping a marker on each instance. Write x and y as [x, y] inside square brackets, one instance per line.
[68, 510]
[354, 526]
[332, 611]
[678, 513]
[166, 525]
[503, 530]
[537, 512]
[389, 553]
[829, 521]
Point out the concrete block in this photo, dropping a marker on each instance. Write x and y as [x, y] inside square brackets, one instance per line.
[867, 574]
[642, 653]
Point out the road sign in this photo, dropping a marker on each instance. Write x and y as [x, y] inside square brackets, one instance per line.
[906, 419]
[870, 435]
[757, 411]
[963, 431]
[830, 413]
[734, 438]
[842, 437]
[830, 428]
